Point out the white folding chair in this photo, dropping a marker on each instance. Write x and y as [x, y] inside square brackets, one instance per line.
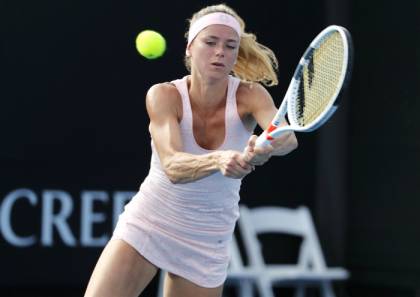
[238, 274]
[310, 268]
[161, 283]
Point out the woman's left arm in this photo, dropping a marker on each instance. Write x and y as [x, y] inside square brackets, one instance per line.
[262, 108]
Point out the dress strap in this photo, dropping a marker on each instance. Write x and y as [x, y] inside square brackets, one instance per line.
[182, 87]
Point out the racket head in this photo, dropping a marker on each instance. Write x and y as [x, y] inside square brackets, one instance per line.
[322, 74]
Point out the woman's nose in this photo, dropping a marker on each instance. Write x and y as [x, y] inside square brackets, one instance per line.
[220, 51]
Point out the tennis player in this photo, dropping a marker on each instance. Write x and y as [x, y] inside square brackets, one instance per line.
[183, 217]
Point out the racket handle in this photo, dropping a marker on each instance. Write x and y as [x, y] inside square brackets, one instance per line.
[262, 140]
[265, 139]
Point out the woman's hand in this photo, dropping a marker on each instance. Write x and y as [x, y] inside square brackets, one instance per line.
[233, 165]
[284, 144]
[257, 155]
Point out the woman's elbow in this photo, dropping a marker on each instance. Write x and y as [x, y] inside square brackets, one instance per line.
[171, 174]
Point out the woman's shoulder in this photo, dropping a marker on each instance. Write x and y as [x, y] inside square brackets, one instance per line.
[164, 95]
[250, 91]
[163, 89]
[163, 92]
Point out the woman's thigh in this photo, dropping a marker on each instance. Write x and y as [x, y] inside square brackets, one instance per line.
[176, 286]
[120, 271]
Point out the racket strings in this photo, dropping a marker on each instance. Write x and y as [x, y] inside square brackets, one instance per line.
[321, 79]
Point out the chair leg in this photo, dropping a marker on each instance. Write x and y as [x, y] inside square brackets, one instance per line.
[161, 283]
[327, 289]
[246, 289]
[265, 288]
[300, 291]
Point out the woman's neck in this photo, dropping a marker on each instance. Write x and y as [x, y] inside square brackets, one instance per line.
[207, 93]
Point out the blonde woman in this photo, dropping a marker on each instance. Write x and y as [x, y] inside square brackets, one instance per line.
[183, 217]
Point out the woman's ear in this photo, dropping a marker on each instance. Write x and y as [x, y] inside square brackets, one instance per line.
[188, 51]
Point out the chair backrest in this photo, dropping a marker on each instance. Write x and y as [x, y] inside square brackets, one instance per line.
[298, 222]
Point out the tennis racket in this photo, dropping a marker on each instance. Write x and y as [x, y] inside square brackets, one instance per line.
[322, 73]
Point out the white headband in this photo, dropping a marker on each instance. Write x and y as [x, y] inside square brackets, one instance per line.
[216, 18]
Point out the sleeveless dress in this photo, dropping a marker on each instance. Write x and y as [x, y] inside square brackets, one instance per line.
[186, 228]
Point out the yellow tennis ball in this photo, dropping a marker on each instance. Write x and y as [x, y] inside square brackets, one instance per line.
[150, 44]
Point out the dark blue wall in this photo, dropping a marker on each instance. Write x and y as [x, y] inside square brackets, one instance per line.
[73, 128]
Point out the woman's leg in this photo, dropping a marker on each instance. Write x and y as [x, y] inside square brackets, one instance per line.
[120, 271]
[176, 286]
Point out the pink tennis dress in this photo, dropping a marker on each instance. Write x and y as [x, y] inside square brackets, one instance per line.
[186, 228]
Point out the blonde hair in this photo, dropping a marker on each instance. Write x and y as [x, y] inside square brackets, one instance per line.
[256, 62]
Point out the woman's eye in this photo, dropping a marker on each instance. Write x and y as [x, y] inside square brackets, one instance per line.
[210, 42]
[231, 46]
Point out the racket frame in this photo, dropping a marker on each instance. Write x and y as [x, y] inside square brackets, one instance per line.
[274, 131]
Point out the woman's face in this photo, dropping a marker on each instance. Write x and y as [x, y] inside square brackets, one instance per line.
[214, 51]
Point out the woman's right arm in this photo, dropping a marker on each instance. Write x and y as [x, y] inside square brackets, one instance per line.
[164, 106]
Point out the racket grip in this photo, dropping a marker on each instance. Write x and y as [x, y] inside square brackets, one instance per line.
[262, 140]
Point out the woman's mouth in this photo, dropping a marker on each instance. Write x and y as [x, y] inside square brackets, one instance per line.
[218, 64]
